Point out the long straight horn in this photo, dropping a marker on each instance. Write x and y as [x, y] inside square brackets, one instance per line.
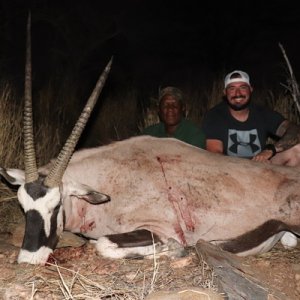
[55, 176]
[31, 173]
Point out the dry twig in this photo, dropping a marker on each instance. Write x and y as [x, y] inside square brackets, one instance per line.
[292, 86]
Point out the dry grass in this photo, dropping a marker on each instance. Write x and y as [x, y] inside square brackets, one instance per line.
[149, 114]
[49, 123]
[284, 104]
[10, 214]
[118, 117]
[115, 118]
[92, 277]
[7, 193]
[11, 153]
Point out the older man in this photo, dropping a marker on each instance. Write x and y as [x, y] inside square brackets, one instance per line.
[237, 127]
[172, 119]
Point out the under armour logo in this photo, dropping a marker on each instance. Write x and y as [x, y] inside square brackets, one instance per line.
[243, 143]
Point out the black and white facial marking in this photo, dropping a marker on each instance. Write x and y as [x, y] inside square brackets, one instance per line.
[44, 221]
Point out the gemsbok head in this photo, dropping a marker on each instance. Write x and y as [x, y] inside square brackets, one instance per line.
[40, 196]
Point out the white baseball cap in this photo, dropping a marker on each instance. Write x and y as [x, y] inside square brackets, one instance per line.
[237, 76]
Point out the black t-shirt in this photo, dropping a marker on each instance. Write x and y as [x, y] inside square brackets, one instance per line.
[242, 139]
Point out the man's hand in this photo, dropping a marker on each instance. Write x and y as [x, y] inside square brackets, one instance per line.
[263, 156]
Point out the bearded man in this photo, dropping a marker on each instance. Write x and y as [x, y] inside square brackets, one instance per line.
[238, 127]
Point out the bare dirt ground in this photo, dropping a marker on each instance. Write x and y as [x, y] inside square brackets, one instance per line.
[79, 273]
[279, 268]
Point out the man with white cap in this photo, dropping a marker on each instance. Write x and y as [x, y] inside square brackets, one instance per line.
[238, 127]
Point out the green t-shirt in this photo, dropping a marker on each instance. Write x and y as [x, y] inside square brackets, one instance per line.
[186, 131]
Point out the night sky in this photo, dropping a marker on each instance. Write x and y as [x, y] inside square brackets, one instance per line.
[154, 43]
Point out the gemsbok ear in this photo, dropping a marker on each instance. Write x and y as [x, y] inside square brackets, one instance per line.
[13, 176]
[94, 197]
[86, 193]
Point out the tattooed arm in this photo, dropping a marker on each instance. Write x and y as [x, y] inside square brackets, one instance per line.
[290, 135]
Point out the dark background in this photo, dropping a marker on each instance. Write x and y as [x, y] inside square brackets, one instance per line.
[189, 44]
[154, 43]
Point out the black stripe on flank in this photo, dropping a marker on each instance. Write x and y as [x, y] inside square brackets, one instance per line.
[254, 238]
[136, 238]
